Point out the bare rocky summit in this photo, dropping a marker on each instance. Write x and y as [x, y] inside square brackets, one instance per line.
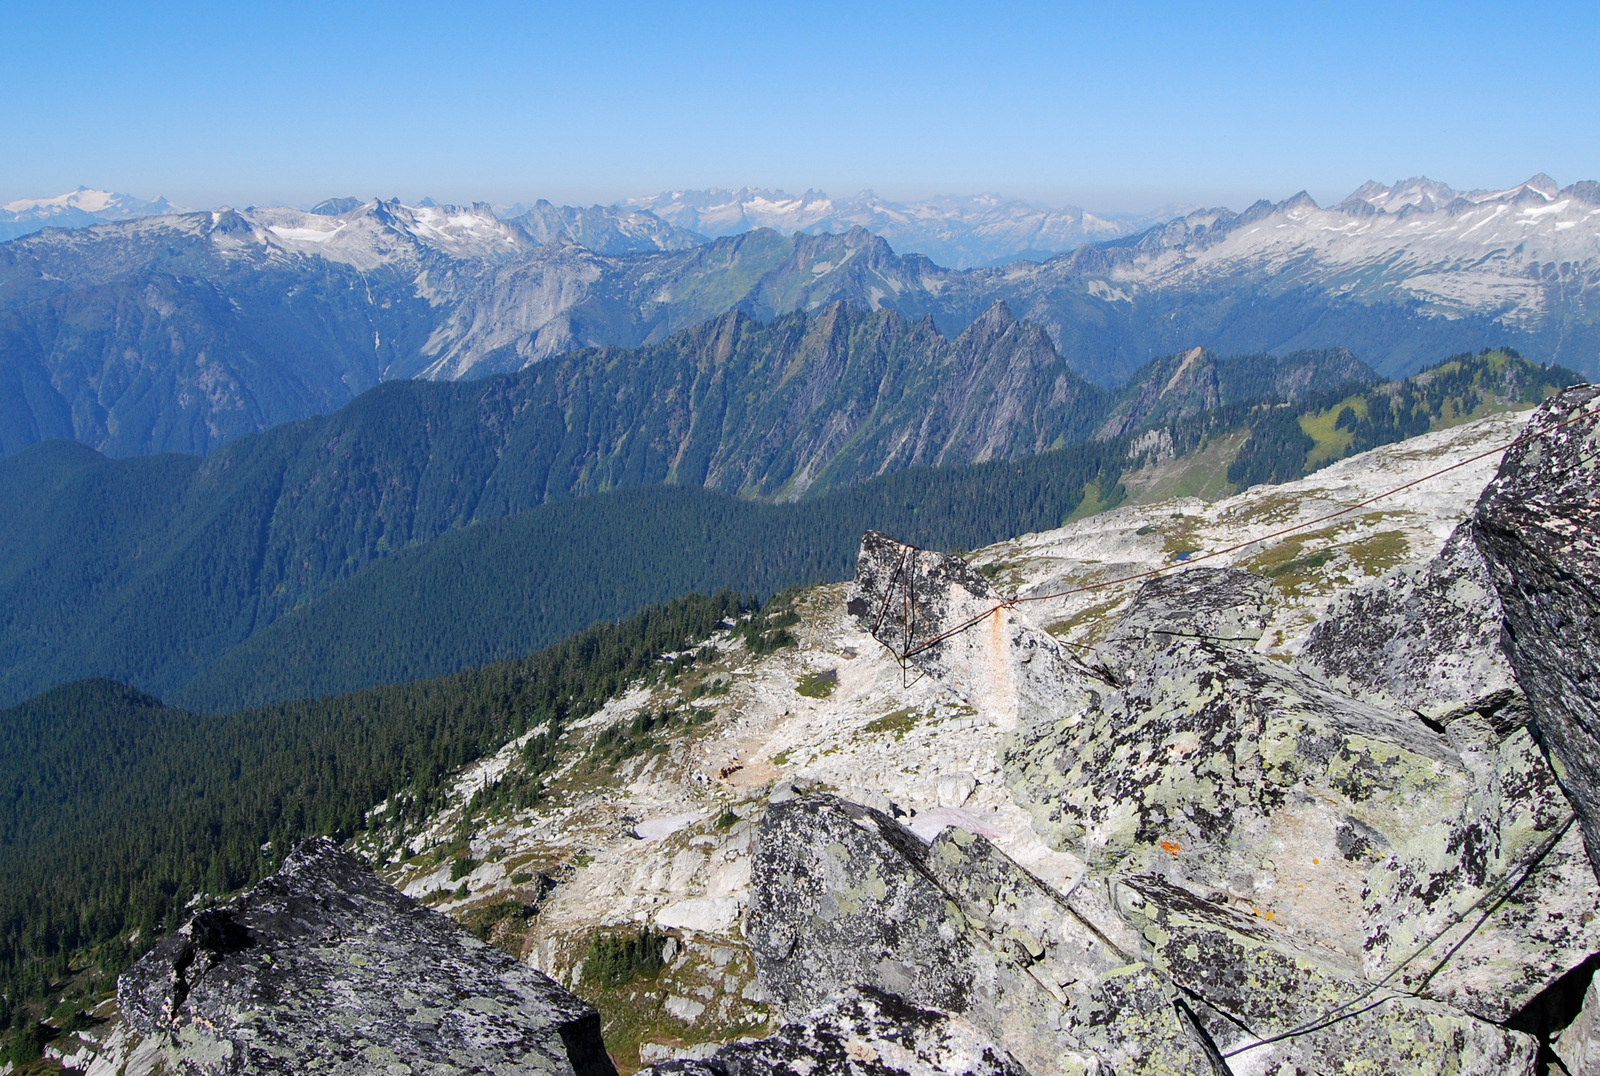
[1362, 858]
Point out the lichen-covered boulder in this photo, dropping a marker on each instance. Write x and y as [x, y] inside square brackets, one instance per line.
[1222, 605]
[844, 896]
[1274, 1006]
[1538, 527]
[1510, 849]
[1009, 670]
[1358, 830]
[861, 1032]
[323, 967]
[1232, 775]
[1421, 638]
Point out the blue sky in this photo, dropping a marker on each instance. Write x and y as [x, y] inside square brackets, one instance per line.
[1116, 107]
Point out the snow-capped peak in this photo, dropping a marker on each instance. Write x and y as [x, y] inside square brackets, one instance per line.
[1429, 195]
[74, 209]
[1452, 253]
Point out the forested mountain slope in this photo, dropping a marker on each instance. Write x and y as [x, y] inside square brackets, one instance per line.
[503, 587]
[211, 550]
[170, 573]
[175, 803]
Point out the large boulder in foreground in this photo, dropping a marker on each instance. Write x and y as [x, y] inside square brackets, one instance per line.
[843, 896]
[1427, 640]
[1240, 780]
[1538, 525]
[1356, 829]
[1274, 1006]
[324, 967]
[1423, 638]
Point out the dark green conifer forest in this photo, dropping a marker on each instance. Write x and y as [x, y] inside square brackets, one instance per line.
[115, 809]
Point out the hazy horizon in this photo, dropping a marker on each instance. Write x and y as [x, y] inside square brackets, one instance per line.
[1115, 111]
[582, 198]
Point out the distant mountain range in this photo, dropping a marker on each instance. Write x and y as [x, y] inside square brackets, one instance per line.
[181, 332]
[74, 209]
[955, 231]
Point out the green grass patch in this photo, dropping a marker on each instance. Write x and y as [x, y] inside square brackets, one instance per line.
[1092, 624]
[818, 685]
[897, 724]
[1332, 440]
[1095, 500]
[1293, 566]
[1380, 552]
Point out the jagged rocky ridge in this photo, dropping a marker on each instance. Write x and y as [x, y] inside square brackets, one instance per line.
[183, 331]
[1369, 858]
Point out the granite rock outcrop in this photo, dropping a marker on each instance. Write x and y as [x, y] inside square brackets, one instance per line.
[1536, 525]
[845, 896]
[323, 967]
[907, 598]
[1360, 858]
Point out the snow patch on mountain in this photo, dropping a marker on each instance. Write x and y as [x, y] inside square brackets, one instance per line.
[1495, 253]
[74, 209]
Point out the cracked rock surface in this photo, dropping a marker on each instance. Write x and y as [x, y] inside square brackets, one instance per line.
[1362, 859]
[845, 896]
[1538, 526]
[324, 968]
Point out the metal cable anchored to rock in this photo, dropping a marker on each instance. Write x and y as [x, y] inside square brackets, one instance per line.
[1491, 896]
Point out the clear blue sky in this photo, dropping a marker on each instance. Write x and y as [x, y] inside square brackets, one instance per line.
[1105, 105]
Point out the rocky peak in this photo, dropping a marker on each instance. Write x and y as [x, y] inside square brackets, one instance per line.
[1362, 861]
[1306, 852]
